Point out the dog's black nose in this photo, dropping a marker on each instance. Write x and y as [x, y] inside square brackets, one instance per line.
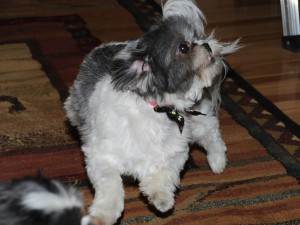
[207, 47]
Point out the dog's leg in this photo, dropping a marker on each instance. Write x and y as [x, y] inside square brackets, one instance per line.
[205, 131]
[108, 202]
[159, 187]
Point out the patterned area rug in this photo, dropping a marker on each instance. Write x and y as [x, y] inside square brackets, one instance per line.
[22, 80]
[39, 59]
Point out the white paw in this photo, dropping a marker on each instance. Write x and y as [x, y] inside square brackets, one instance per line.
[162, 201]
[217, 161]
[108, 216]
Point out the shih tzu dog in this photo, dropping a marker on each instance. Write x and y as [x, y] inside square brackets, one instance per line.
[40, 201]
[138, 104]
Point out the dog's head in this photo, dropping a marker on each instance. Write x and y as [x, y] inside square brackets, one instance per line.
[174, 60]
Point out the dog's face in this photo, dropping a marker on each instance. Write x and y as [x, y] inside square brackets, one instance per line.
[172, 57]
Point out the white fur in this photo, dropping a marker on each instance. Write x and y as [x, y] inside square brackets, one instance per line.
[86, 220]
[50, 202]
[151, 149]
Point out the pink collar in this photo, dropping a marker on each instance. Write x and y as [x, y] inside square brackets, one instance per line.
[189, 111]
[154, 104]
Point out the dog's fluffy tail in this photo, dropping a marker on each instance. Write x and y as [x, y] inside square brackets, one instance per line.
[38, 200]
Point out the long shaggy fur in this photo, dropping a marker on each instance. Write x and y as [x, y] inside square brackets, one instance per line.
[112, 103]
[40, 201]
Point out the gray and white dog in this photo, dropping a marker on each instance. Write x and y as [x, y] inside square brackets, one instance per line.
[138, 104]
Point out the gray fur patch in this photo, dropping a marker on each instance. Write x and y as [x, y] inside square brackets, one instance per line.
[95, 66]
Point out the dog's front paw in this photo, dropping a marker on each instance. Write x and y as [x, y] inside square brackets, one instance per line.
[159, 189]
[162, 201]
[107, 209]
[217, 161]
[106, 216]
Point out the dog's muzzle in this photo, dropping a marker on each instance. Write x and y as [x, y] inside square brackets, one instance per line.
[209, 50]
[203, 56]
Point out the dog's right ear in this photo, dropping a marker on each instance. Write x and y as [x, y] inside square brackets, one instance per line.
[129, 67]
[140, 67]
[141, 64]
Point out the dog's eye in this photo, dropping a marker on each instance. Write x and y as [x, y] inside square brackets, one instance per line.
[184, 47]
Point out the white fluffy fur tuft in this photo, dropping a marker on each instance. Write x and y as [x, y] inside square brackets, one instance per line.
[50, 202]
[222, 48]
[187, 9]
[231, 47]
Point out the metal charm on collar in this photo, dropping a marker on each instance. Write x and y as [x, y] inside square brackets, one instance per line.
[172, 115]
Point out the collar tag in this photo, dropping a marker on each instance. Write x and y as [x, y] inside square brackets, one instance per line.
[172, 115]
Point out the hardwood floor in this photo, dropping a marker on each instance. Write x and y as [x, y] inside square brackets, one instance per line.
[262, 61]
[272, 70]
